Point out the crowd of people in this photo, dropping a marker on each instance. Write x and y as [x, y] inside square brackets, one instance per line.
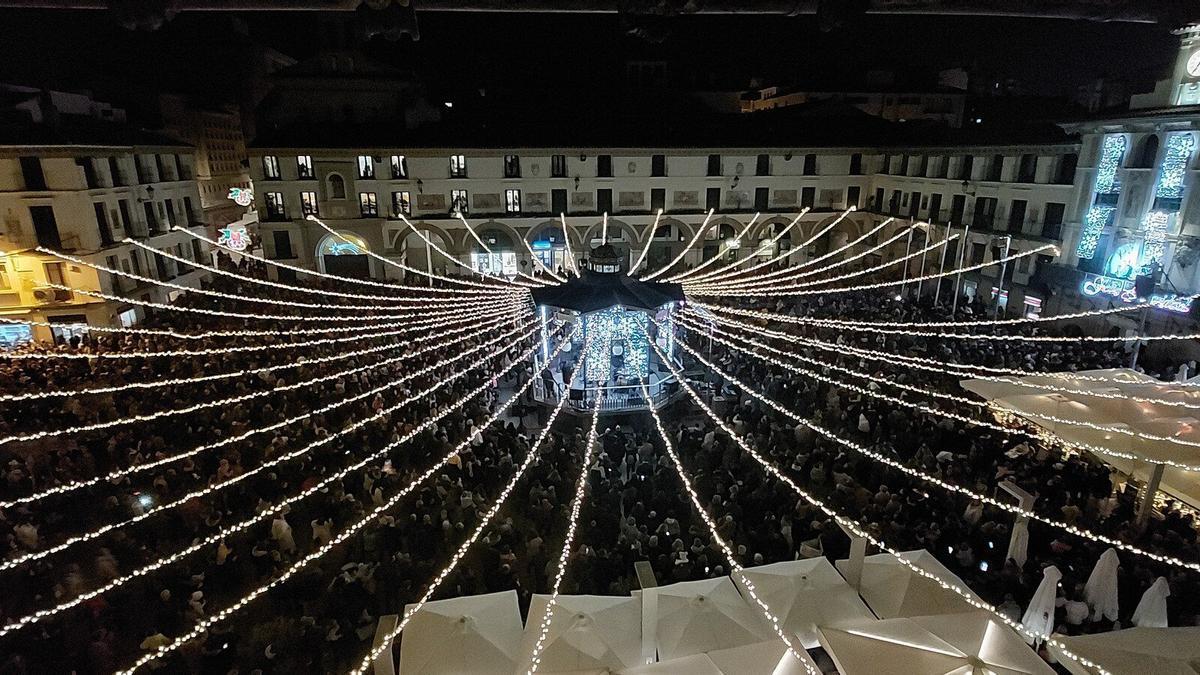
[324, 619]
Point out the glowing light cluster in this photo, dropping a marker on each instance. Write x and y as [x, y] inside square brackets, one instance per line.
[1174, 166]
[1154, 238]
[616, 326]
[1112, 151]
[699, 233]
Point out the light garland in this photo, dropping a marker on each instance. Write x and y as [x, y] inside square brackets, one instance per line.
[852, 525]
[921, 475]
[607, 325]
[439, 249]
[881, 284]
[734, 566]
[646, 248]
[1112, 150]
[385, 643]
[538, 261]
[146, 466]
[409, 326]
[1173, 172]
[1154, 238]
[202, 626]
[730, 270]
[696, 270]
[476, 287]
[226, 532]
[589, 453]
[535, 281]
[699, 233]
[572, 264]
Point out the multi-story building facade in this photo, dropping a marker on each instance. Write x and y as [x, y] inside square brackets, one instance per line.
[215, 135]
[81, 186]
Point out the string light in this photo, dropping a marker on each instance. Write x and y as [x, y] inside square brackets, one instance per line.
[385, 643]
[146, 466]
[881, 284]
[646, 248]
[534, 280]
[1112, 150]
[574, 266]
[589, 453]
[734, 566]
[538, 261]
[928, 478]
[439, 249]
[306, 290]
[1171, 175]
[409, 327]
[730, 270]
[607, 326]
[699, 233]
[476, 287]
[852, 525]
[696, 270]
[202, 626]
[226, 532]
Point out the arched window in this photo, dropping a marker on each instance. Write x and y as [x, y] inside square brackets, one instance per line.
[1149, 153]
[337, 187]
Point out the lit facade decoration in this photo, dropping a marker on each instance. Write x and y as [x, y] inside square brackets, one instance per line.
[344, 243]
[1154, 242]
[1174, 166]
[1124, 262]
[234, 237]
[617, 344]
[1112, 151]
[1123, 289]
[241, 196]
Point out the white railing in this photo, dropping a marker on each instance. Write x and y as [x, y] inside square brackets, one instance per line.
[616, 398]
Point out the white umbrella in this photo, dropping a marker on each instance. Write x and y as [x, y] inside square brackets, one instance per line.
[475, 634]
[1151, 611]
[892, 589]
[974, 643]
[587, 633]
[1100, 592]
[805, 594]
[1153, 651]
[1039, 616]
[765, 658]
[1018, 544]
[699, 616]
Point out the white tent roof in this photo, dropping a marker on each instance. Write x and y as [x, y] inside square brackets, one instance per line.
[764, 658]
[1157, 651]
[587, 633]
[893, 590]
[472, 635]
[699, 616]
[805, 594]
[1083, 405]
[974, 643]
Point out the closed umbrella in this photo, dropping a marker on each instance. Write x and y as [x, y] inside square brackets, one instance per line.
[587, 633]
[473, 635]
[805, 594]
[699, 616]
[1151, 611]
[1039, 616]
[1100, 592]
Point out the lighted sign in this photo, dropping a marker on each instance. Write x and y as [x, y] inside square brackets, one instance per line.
[1124, 290]
[733, 244]
[1111, 152]
[234, 237]
[343, 243]
[1123, 263]
[241, 196]
[1174, 166]
[1154, 238]
[541, 245]
[1193, 64]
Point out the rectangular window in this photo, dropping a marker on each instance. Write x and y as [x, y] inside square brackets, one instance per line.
[458, 201]
[4, 282]
[762, 198]
[45, 226]
[401, 204]
[877, 202]
[304, 167]
[935, 208]
[996, 168]
[308, 204]
[808, 197]
[810, 165]
[558, 166]
[558, 201]
[458, 166]
[197, 252]
[658, 199]
[856, 164]
[712, 199]
[762, 165]
[270, 167]
[978, 251]
[1052, 225]
[985, 212]
[283, 244]
[89, 172]
[188, 212]
[512, 166]
[604, 200]
[914, 205]
[366, 166]
[512, 201]
[714, 165]
[1016, 215]
[102, 224]
[275, 208]
[1027, 172]
[54, 273]
[658, 166]
[31, 171]
[604, 166]
[116, 178]
[966, 167]
[169, 210]
[958, 206]
[368, 204]
[399, 167]
[853, 194]
[135, 257]
[1065, 175]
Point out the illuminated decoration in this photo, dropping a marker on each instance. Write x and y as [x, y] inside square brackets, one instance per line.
[234, 237]
[1123, 290]
[241, 196]
[1111, 153]
[1193, 64]
[1174, 166]
[1123, 263]
[1154, 238]
[617, 344]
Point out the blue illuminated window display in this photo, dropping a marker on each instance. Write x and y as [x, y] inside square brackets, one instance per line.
[616, 330]
[1123, 263]
[1154, 238]
[1174, 166]
[1111, 153]
[1167, 193]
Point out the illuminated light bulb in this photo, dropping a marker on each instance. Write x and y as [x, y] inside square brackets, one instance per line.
[146, 466]
[385, 643]
[851, 524]
[226, 532]
[589, 455]
[538, 261]
[915, 473]
[696, 270]
[476, 288]
[699, 233]
[730, 270]
[202, 626]
[646, 248]
[417, 298]
[572, 264]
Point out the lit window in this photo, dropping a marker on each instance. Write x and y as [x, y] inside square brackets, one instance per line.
[458, 166]
[399, 166]
[512, 201]
[458, 201]
[366, 166]
[271, 167]
[368, 204]
[308, 203]
[275, 209]
[401, 205]
[304, 166]
[512, 166]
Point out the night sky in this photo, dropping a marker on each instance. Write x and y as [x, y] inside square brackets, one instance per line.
[197, 52]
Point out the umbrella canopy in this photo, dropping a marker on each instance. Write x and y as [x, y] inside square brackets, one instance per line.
[474, 634]
[587, 633]
[805, 594]
[699, 616]
[1161, 651]
[1101, 589]
[974, 643]
[763, 658]
[892, 589]
[1151, 611]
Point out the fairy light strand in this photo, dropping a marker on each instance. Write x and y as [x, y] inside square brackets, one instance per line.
[699, 233]
[534, 280]
[678, 278]
[646, 248]
[730, 270]
[429, 242]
